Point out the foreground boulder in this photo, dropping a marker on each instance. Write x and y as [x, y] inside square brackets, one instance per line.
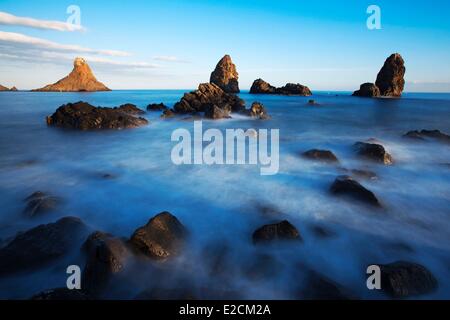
[162, 237]
[157, 107]
[39, 203]
[225, 75]
[346, 186]
[368, 90]
[428, 134]
[283, 230]
[106, 256]
[259, 86]
[321, 155]
[404, 279]
[61, 294]
[83, 116]
[390, 79]
[41, 245]
[80, 79]
[374, 152]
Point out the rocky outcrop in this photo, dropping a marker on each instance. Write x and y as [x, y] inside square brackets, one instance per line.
[321, 155]
[41, 245]
[367, 90]
[80, 79]
[428, 134]
[374, 152]
[157, 107]
[405, 279]
[283, 230]
[225, 75]
[390, 79]
[2, 88]
[83, 116]
[346, 186]
[39, 203]
[130, 108]
[207, 95]
[259, 86]
[257, 110]
[162, 237]
[13, 89]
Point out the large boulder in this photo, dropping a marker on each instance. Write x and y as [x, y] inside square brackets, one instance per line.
[162, 237]
[83, 116]
[404, 279]
[428, 134]
[346, 186]
[374, 152]
[259, 86]
[42, 244]
[320, 155]
[390, 79]
[369, 90]
[225, 75]
[205, 96]
[80, 79]
[283, 230]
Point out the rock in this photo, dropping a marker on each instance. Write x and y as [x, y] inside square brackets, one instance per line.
[83, 116]
[405, 279]
[42, 244]
[206, 95]
[214, 112]
[225, 75]
[277, 231]
[3, 88]
[346, 186]
[80, 79]
[162, 237]
[13, 89]
[319, 287]
[431, 134]
[374, 152]
[390, 79]
[313, 103]
[106, 256]
[369, 90]
[321, 155]
[259, 86]
[157, 107]
[168, 113]
[39, 203]
[131, 109]
[61, 294]
[257, 110]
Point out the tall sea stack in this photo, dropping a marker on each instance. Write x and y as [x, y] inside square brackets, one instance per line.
[225, 75]
[390, 79]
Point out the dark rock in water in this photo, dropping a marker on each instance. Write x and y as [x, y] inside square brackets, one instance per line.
[13, 89]
[390, 79]
[206, 95]
[42, 244]
[431, 134]
[369, 90]
[405, 279]
[168, 113]
[62, 294]
[106, 256]
[346, 186]
[215, 113]
[39, 203]
[374, 152]
[257, 110]
[83, 116]
[322, 155]
[259, 86]
[225, 75]
[313, 103]
[162, 237]
[157, 107]
[277, 231]
[319, 287]
[131, 109]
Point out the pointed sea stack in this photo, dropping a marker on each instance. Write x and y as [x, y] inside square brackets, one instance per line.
[80, 79]
[390, 79]
[225, 75]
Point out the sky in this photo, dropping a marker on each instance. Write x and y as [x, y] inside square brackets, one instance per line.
[174, 44]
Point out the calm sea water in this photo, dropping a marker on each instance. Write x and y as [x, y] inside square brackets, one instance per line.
[222, 205]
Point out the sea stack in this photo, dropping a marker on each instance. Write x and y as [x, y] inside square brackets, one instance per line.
[260, 86]
[390, 79]
[225, 75]
[80, 79]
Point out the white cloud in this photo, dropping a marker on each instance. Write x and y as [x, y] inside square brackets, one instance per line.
[9, 19]
[21, 39]
[169, 59]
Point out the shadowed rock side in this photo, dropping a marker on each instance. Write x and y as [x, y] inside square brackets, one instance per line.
[80, 79]
[346, 186]
[259, 86]
[390, 79]
[368, 90]
[374, 152]
[225, 75]
[83, 116]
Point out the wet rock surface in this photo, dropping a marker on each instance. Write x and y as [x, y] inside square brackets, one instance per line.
[320, 155]
[346, 186]
[374, 152]
[157, 107]
[283, 230]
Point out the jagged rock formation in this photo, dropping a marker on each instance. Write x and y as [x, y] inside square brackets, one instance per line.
[80, 79]
[369, 90]
[390, 79]
[260, 86]
[225, 75]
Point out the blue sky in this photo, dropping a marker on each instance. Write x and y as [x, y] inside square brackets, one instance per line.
[176, 44]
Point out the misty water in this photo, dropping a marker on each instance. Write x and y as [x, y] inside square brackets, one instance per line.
[222, 205]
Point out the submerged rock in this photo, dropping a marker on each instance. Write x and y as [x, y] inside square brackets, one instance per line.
[80, 79]
[61, 294]
[374, 152]
[283, 230]
[259, 86]
[39, 203]
[405, 279]
[162, 237]
[369, 90]
[390, 79]
[346, 186]
[321, 155]
[157, 107]
[428, 134]
[42, 244]
[83, 116]
[225, 75]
